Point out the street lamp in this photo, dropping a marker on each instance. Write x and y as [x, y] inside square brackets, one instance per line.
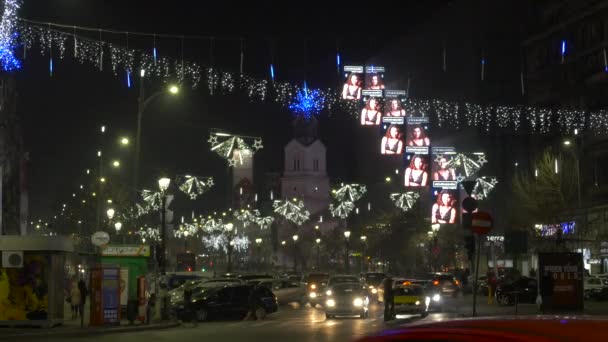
[110, 213]
[163, 185]
[116, 164]
[363, 264]
[124, 141]
[143, 102]
[346, 257]
[117, 226]
[258, 242]
[295, 252]
[318, 241]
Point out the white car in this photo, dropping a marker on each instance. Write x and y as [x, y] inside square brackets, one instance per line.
[592, 286]
[287, 291]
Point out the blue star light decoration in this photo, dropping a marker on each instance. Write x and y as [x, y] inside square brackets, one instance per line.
[8, 36]
[307, 103]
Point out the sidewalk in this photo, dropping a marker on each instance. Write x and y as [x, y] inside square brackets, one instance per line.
[463, 306]
[72, 328]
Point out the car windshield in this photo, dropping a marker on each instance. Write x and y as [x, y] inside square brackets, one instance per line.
[374, 278]
[317, 278]
[409, 291]
[343, 279]
[347, 289]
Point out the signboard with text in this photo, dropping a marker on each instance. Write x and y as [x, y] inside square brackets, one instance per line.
[561, 281]
[134, 251]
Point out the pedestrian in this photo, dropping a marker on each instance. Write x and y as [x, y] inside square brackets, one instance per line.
[75, 299]
[492, 282]
[188, 304]
[255, 296]
[84, 292]
[388, 296]
[150, 307]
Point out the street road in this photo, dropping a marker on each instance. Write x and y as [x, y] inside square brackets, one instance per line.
[292, 323]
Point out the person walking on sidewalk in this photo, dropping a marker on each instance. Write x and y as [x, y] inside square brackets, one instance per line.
[84, 292]
[188, 304]
[492, 282]
[75, 299]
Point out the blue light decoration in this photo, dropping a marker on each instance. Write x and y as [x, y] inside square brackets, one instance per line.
[307, 103]
[338, 62]
[8, 36]
[272, 72]
[563, 47]
[128, 79]
[154, 54]
[51, 66]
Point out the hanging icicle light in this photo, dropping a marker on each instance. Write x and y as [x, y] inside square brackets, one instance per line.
[272, 72]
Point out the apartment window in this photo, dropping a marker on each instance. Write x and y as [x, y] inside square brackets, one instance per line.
[294, 165]
[298, 164]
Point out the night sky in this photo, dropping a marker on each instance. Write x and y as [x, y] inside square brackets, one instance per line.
[62, 114]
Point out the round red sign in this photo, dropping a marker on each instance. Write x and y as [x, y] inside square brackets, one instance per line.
[482, 222]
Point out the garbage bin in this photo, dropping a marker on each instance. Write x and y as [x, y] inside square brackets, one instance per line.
[132, 310]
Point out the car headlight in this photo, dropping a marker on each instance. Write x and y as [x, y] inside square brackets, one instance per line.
[436, 298]
[371, 286]
[374, 291]
[331, 302]
[328, 292]
[313, 295]
[313, 286]
[417, 302]
[427, 301]
[358, 302]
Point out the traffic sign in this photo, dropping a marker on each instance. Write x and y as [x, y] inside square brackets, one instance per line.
[100, 239]
[482, 223]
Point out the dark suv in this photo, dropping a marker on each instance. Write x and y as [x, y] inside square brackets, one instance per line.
[443, 283]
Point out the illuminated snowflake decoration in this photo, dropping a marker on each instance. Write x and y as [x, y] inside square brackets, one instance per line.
[153, 199]
[215, 242]
[484, 187]
[194, 186]
[8, 36]
[307, 103]
[240, 243]
[405, 201]
[186, 230]
[349, 192]
[466, 165]
[264, 222]
[149, 234]
[246, 217]
[211, 225]
[234, 148]
[293, 210]
[133, 213]
[342, 209]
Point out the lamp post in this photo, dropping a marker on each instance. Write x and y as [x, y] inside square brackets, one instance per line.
[433, 234]
[575, 153]
[258, 243]
[346, 256]
[163, 185]
[318, 241]
[229, 227]
[363, 263]
[143, 102]
[118, 227]
[295, 252]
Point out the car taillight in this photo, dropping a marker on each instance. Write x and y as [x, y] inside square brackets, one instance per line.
[436, 282]
[456, 282]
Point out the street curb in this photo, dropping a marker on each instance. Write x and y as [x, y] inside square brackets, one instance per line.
[82, 332]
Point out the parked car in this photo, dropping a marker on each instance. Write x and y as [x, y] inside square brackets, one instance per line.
[231, 301]
[247, 277]
[177, 294]
[523, 290]
[346, 299]
[286, 291]
[593, 287]
[411, 299]
[315, 283]
[176, 279]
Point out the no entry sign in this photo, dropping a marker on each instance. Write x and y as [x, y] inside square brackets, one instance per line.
[482, 223]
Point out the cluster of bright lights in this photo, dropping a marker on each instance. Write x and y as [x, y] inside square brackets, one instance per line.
[302, 101]
[148, 234]
[186, 230]
[293, 210]
[346, 196]
[307, 103]
[246, 216]
[467, 165]
[264, 222]
[405, 201]
[153, 199]
[194, 186]
[234, 147]
[484, 187]
[9, 35]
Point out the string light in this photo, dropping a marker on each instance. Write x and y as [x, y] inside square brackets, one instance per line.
[405, 201]
[194, 186]
[293, 211]
[9, 35]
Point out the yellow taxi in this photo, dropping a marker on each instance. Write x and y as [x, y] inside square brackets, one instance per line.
[410, 298]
